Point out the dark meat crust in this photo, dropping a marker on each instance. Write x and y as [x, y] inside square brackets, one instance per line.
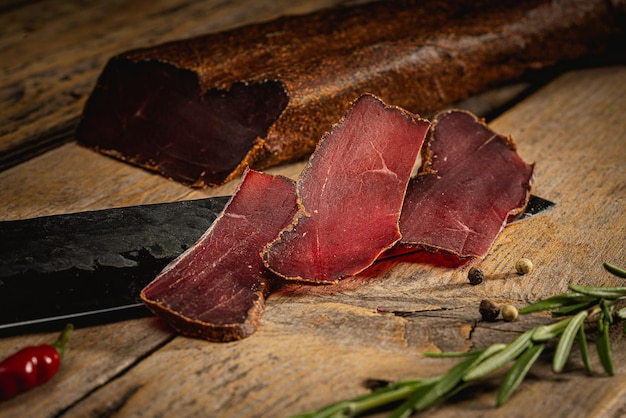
[308, 69]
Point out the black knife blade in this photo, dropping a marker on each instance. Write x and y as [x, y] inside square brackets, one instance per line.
[89, 267]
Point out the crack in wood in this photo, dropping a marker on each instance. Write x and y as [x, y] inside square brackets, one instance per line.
[418, 312]
[473, 326]
[115, 405]
[38, 144]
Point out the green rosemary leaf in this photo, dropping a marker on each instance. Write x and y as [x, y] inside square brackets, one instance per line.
[441, 389]
[555, 302]
[396, 392]
[377, 398]
[606, 311]
[405, 410]
[573, 309]
[516, 374]
[412, 383]
[564, 347]
[490, 351]
[584, 349]
[600, 292]
[603, 345]
[620, 272]
[545, 333]
[494, 362]
[601, 323]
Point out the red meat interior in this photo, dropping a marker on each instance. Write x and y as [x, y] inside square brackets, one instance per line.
[155, 115]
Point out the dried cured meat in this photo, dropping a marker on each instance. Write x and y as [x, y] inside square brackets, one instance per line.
[350, 195]
[201, 110]
[216, 289]
[471, 183]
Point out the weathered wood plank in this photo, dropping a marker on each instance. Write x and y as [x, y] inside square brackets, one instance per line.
[95, 356]
[317, 344]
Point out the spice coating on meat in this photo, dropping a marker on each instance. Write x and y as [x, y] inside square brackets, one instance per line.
[350, 195]
[471, 183]
[216, 289]
[201, 110]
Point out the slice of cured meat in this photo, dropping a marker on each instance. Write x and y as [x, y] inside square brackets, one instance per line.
[472, 181]
[200, 110]
[350, 195]
[216, 289]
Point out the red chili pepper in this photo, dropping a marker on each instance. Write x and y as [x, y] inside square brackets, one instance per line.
[32, 366]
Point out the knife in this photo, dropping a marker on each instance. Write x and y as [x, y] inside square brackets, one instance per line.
[89, 267]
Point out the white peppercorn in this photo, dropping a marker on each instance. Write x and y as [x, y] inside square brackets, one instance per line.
[523, 266]
[509, 313]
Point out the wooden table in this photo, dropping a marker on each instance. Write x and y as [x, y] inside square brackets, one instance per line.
[315, 345]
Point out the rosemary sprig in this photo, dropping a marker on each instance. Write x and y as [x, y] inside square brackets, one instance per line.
[575, 307]
[620, 272]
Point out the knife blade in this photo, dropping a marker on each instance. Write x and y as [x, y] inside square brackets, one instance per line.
[89, 267]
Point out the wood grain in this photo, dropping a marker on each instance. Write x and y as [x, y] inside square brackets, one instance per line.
[316, 344]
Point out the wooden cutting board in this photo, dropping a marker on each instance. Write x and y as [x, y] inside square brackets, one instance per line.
[319, 344]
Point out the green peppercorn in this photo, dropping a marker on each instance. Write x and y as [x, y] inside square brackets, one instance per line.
[475, 276]
[489, 311]
[523, 266]
[509, 313]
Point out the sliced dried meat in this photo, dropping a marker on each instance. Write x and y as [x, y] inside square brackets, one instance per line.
[350, 195]
[216, 289]
[201, 110]
[471, 183]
